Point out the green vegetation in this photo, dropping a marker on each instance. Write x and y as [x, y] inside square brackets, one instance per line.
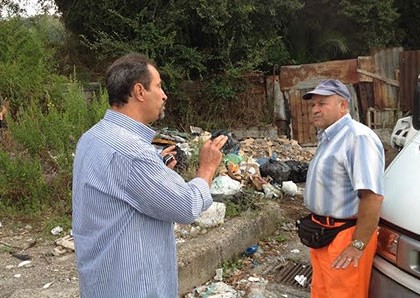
[45, 62]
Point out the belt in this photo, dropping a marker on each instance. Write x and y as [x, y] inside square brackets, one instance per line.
[328, 220]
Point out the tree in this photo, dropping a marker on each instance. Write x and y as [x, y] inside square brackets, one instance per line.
[329, 29]
[409, 23]
[217, 34]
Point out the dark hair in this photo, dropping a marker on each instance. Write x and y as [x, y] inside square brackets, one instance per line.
[121, 76]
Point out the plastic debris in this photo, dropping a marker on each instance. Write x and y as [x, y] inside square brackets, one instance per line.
[214, 290]
[249, 251]
[26, 263]
[219, 274]
[289, 188]
[47, 285]
[279, 171]
[56, 231]
[66, 242]
[301, 279]
[298, 170]
[223, 186]
[271, 191]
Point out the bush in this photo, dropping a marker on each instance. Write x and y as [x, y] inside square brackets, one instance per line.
[37, 170]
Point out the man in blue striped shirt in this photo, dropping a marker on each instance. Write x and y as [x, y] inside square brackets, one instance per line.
[125, 200]
[344, 181]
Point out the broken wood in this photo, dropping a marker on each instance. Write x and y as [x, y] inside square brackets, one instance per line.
[379, 77]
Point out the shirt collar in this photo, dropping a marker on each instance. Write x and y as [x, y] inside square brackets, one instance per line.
[130, 124]
[334, 128]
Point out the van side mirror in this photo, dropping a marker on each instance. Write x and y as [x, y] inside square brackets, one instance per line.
[416, 106]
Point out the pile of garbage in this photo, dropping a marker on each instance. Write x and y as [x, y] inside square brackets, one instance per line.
[269, 168]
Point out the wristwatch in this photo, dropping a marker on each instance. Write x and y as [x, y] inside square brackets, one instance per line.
[358, 244]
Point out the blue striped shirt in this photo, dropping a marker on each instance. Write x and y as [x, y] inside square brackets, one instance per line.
[125, 201]
[349, 157]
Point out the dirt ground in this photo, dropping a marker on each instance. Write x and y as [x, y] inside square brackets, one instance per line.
[52, 273]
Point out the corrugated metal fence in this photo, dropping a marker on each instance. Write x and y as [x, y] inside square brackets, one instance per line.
[381, 85]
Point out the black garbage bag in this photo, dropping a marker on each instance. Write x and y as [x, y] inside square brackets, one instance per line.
[232, 145]
[278, 170]
[298, 170]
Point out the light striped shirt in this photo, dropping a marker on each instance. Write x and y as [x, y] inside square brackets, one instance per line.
[125, 201]
[349, 157]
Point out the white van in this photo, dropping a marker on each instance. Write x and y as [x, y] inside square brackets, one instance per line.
[396, 267]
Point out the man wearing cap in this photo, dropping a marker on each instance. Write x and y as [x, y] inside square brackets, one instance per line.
[344, 181]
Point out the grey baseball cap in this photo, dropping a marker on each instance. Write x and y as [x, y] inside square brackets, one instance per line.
[329, 87]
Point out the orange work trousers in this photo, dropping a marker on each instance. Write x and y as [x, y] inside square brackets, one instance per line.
[328, 282]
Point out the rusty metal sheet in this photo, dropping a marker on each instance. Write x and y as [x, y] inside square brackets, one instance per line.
[408, 73]
[308, 75]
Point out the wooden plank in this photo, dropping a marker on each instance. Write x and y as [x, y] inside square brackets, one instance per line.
[368, 64]
[295, 114]
[379, 77]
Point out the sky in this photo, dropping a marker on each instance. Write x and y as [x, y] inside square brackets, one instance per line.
[32, 7]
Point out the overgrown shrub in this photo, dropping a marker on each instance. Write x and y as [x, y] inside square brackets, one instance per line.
[37, 170]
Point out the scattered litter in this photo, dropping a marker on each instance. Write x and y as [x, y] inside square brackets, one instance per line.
[219, 274]
[249, 251]
[301, 279]
[298, 170]
[21, 257]
[278, 170]
[59, 251]
[271, 191]
[289, 188]
[224, 186]
[254, 279]
[25, 264]
[214, 290]
[47, 285]
[17, 275]
[66, 242]
[56, 231]
[295, 251]
[1, 225]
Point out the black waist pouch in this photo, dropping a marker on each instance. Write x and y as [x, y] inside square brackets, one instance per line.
[315, 235]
